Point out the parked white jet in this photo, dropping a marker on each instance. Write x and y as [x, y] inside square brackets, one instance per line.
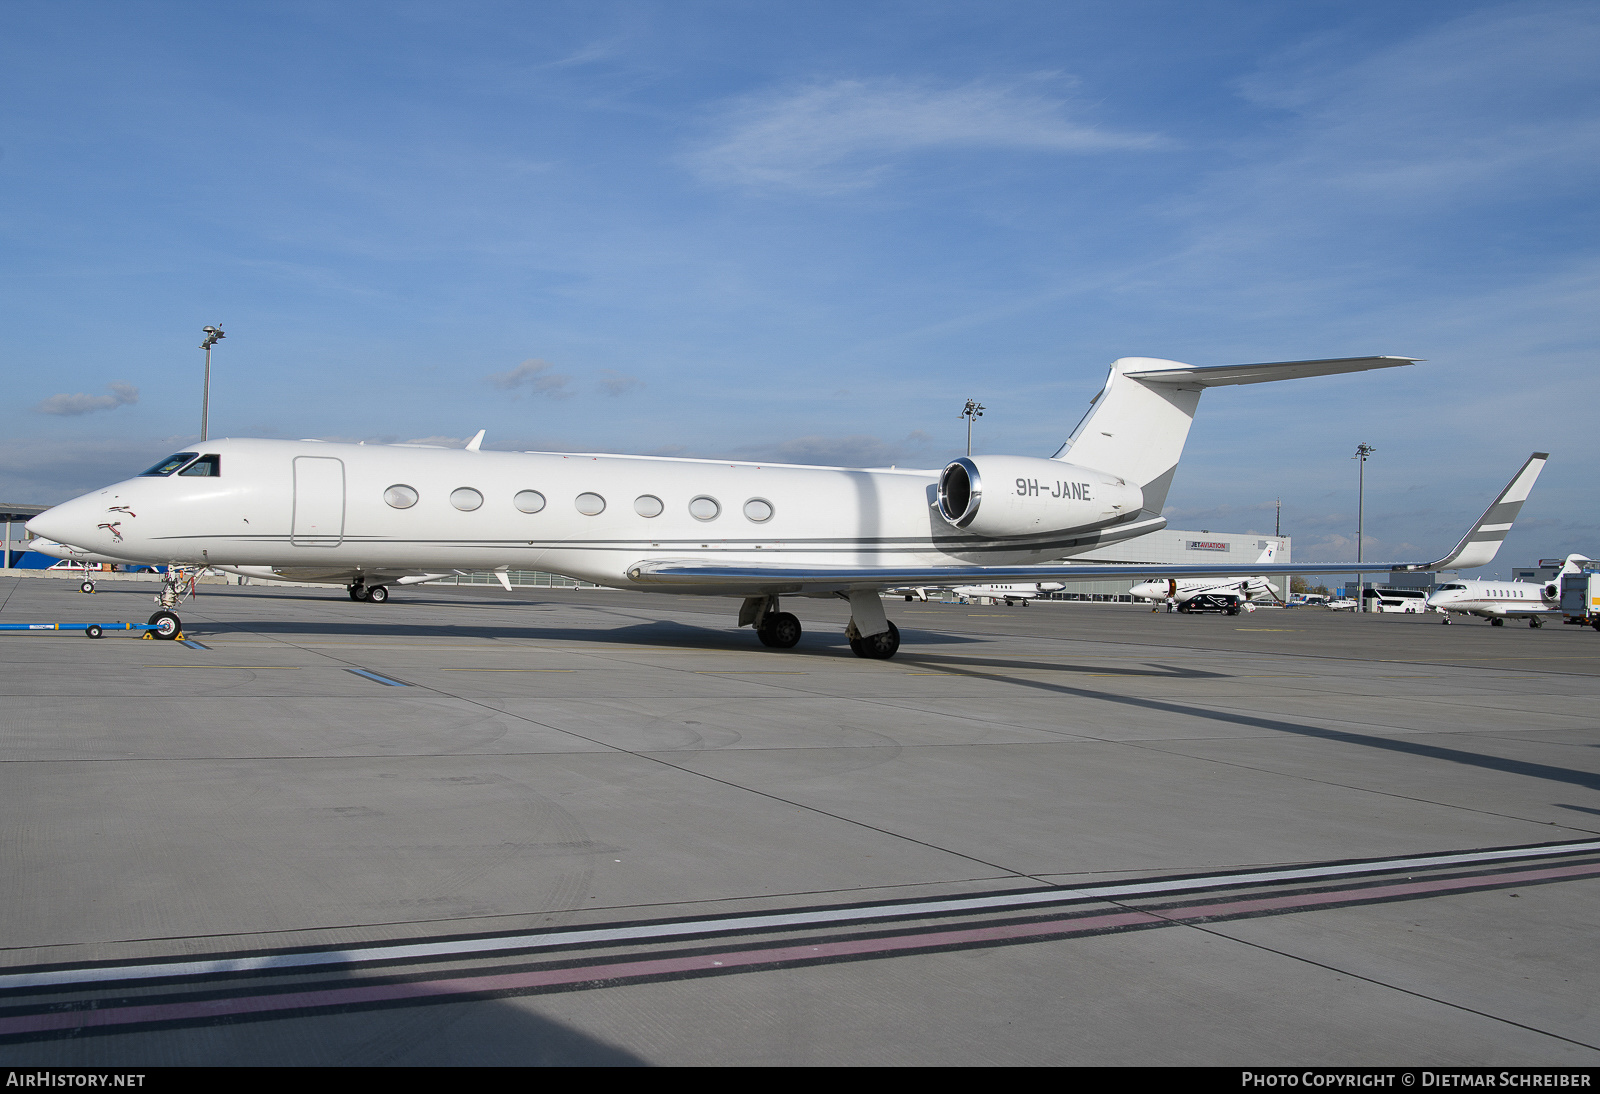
[1012, 594]
[1247, 588]
[1498, 601]
[378, 513]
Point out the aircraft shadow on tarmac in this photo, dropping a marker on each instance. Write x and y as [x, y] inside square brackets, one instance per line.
[1573, 776]
[400, 1027]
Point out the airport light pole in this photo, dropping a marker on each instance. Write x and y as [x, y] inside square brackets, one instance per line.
[213, 336]
[973, 409]
[1363, 450]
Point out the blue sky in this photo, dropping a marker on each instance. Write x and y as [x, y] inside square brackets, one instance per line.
[810, 231]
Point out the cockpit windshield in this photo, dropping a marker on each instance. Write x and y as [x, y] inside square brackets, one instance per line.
[171, 463]
[209, 465]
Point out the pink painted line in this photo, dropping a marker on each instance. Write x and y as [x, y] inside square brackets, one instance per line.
[538, 978]
[597, 975]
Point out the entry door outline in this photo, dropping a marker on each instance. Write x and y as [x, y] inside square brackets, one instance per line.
[318, 502]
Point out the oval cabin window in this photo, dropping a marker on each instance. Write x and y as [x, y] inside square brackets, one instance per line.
[400, 496]
[466, 499]
[704, 508]
[590, 505]
[529, 501]
[758, 510]
[648, 505]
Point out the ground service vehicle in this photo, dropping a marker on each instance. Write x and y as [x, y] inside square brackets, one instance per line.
[1221, 603]
[1580, 599]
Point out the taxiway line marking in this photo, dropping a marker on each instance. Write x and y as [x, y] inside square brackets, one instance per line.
[379, 679]
[568, 937]
[676, 966]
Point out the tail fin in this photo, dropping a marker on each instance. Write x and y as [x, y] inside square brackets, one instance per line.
[1270, 553]
[1479, 546]
[1136, 426]
[1574, 564]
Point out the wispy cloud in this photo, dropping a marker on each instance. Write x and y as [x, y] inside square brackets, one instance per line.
[615, 383]
[72, 405]
[534, 375]
[846, 134]
[1377, 159]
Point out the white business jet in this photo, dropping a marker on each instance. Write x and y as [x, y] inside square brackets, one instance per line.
[1013, 594]
[708, 527]
[1246, 588]
[1498, 601]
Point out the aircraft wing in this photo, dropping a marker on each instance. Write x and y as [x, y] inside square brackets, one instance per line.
[1477, 548]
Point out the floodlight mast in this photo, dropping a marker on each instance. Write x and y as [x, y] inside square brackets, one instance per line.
[973, 409]
[213, 336]
[1363, 450]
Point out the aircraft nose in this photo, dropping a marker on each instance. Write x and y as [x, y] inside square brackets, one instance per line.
[70, 522]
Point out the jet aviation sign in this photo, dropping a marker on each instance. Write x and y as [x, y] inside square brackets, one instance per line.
[1206, 545]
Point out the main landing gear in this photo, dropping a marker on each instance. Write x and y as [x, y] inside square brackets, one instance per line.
[870, 632]
[376, 594]
[780, 630]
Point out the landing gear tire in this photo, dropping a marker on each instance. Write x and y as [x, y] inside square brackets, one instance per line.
[378, 594]
[1445, 620]
[357, 591]
[1535, 623]
[1497, 622]
[779, 630]
[166, 624]
[92, 631]
[86, 587]
[878, 647]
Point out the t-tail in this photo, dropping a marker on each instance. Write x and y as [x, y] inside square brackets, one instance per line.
[1136, 426]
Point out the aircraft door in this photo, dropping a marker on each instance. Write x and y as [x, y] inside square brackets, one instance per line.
[318, 502]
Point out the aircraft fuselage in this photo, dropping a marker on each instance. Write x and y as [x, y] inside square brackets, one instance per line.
[330, 505]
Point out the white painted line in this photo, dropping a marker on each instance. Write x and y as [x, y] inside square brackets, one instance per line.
[583, 936]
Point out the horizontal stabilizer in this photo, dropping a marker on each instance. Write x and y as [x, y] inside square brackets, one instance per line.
[1228, 375]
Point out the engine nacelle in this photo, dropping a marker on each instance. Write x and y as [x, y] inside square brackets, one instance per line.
[1021, 495]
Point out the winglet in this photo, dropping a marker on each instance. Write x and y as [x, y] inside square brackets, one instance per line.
[1479, 546]
[472, 445]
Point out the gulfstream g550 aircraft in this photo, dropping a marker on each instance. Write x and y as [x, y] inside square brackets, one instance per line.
[368, 515]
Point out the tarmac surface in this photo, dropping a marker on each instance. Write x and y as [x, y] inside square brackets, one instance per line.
[596, 827]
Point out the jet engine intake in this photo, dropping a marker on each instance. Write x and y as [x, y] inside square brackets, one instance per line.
[1022, 495]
